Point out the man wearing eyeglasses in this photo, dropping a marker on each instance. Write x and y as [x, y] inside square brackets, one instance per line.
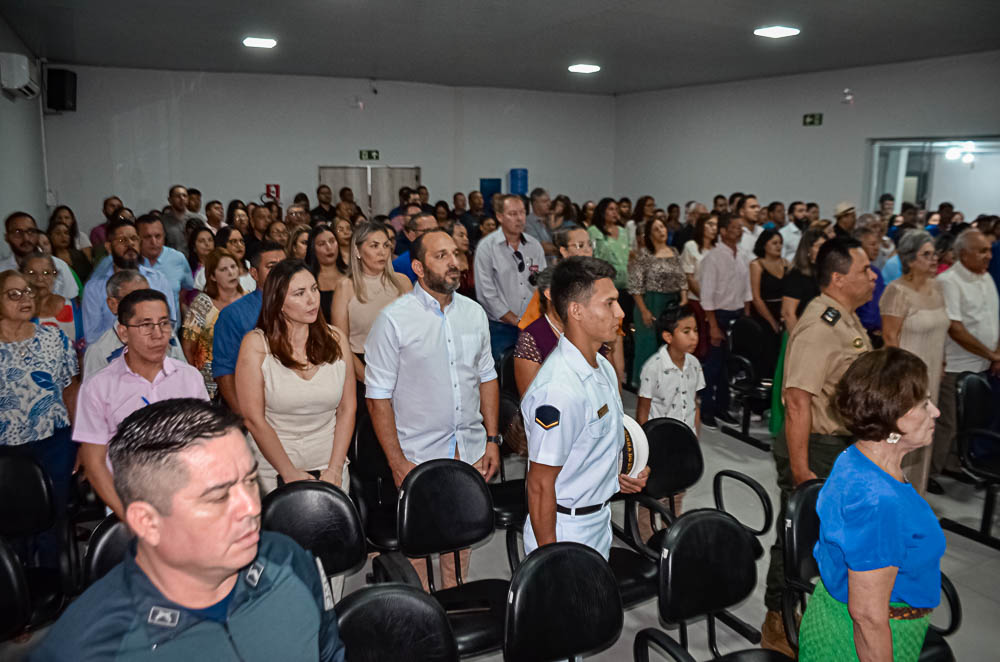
[142, 375]
[123, 246]
[505, 262]
[21, 234]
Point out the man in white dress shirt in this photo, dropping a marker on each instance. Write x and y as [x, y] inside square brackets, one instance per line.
[748, 211]
[792, 231]
[431, 384]
[21, 234]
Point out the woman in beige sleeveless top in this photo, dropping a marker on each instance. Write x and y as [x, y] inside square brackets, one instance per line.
[370, 287]
[294, 386]
[914, 318]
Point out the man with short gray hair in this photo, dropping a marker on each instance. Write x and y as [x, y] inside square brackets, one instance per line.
[109, 347]
[201, 581]
[537, 223]
[973, 306]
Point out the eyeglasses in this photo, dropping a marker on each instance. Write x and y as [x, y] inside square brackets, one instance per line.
[520, 261]
[43, 272]
[31, 232]
[15, 294]
[146, 328]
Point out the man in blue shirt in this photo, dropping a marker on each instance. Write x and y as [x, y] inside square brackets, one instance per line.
[868, 313]
[122, 245]
[416, 225]
[155, 255]
[200, 581]
[238, 319]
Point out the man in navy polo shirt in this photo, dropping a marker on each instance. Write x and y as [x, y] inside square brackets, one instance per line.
[239, 318]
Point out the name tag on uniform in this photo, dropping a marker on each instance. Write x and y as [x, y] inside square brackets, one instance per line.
[602, 411]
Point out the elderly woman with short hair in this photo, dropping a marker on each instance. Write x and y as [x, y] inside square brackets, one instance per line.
[914, 318]
[880, 545]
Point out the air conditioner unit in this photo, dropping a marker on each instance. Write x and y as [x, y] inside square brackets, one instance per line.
[19, 75]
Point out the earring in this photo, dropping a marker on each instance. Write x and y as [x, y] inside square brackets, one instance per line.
[894, 438]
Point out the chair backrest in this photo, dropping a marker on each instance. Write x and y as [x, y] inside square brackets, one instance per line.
[106, 548]
[507, 382]
[801, 533]
[367, 457]
[15, 602]
[675, 460]
[444, 506]
[563, 602]
[746, 338]
[395, 622]
[322, 519]
[26, 506]
[708, 564]
[974, 402]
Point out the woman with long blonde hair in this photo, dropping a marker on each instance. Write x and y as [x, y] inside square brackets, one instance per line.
[370, 286]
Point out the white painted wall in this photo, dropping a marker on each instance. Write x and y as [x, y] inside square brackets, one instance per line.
[973, 188]
[748, 136]
[136, 132]
[22, 181]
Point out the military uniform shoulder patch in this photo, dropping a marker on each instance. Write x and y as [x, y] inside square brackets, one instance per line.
[831, 315]
[547, 417]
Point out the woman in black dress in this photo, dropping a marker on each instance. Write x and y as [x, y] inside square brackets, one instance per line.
[766, 275]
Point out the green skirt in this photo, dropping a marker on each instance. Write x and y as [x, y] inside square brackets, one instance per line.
[827, 632]
[646, 341]
[777, 422]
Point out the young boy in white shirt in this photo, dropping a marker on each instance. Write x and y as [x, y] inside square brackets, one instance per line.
[670, 381]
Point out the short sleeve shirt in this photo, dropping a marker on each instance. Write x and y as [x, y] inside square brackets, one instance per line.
[672, 391]
[35, 372]
[869, 520]
[235, 321]
[107, 398]
[574, 419]
[819, 352]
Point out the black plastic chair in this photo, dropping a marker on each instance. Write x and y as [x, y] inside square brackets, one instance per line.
[505, 372]
[322, 519]
[444, 507]
[15, 601]
[395, 622]
[746, 342]
[373, 488]
[974, 414]
[801, 533]
[106, 548]
[563, 603]
[26, 510]
[708, 566]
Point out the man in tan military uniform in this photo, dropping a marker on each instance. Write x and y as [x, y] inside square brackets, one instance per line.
[827, 339]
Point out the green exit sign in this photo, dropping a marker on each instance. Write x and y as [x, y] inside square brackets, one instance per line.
[369, 155]
[812, 119]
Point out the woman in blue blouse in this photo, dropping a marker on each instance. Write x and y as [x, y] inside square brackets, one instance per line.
[880, 545]
[37, 393]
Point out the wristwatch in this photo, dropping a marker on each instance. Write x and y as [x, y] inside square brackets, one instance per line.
[496, 439]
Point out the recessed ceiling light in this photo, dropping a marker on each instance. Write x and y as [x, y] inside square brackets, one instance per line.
[953, 154]
[259, 42]
[776, 31]
[968, 158]
[584, 68]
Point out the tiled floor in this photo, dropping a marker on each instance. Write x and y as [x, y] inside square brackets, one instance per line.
[974, 568]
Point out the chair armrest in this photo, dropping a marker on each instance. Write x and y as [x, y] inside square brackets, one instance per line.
[393, 567]
[765, 500]
[742, 364]
[954, 604]
[630, 535]
[653, 637]
[789, 601]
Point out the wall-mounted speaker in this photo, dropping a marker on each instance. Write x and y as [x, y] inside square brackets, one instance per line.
[60, 90]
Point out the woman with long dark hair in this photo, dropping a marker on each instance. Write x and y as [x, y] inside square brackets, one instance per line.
[656, 282]
[328, 263]
[233, 241]
[293, 384]
[64, 233]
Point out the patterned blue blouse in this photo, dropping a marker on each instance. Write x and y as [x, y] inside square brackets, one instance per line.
[35, 372]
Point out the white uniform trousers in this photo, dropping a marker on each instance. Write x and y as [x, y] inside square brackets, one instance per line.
[593, 530]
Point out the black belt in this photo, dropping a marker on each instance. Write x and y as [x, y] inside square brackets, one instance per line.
[585, 510]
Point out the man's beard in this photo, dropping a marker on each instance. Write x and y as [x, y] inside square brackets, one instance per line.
[440, 284]
[122, 262]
